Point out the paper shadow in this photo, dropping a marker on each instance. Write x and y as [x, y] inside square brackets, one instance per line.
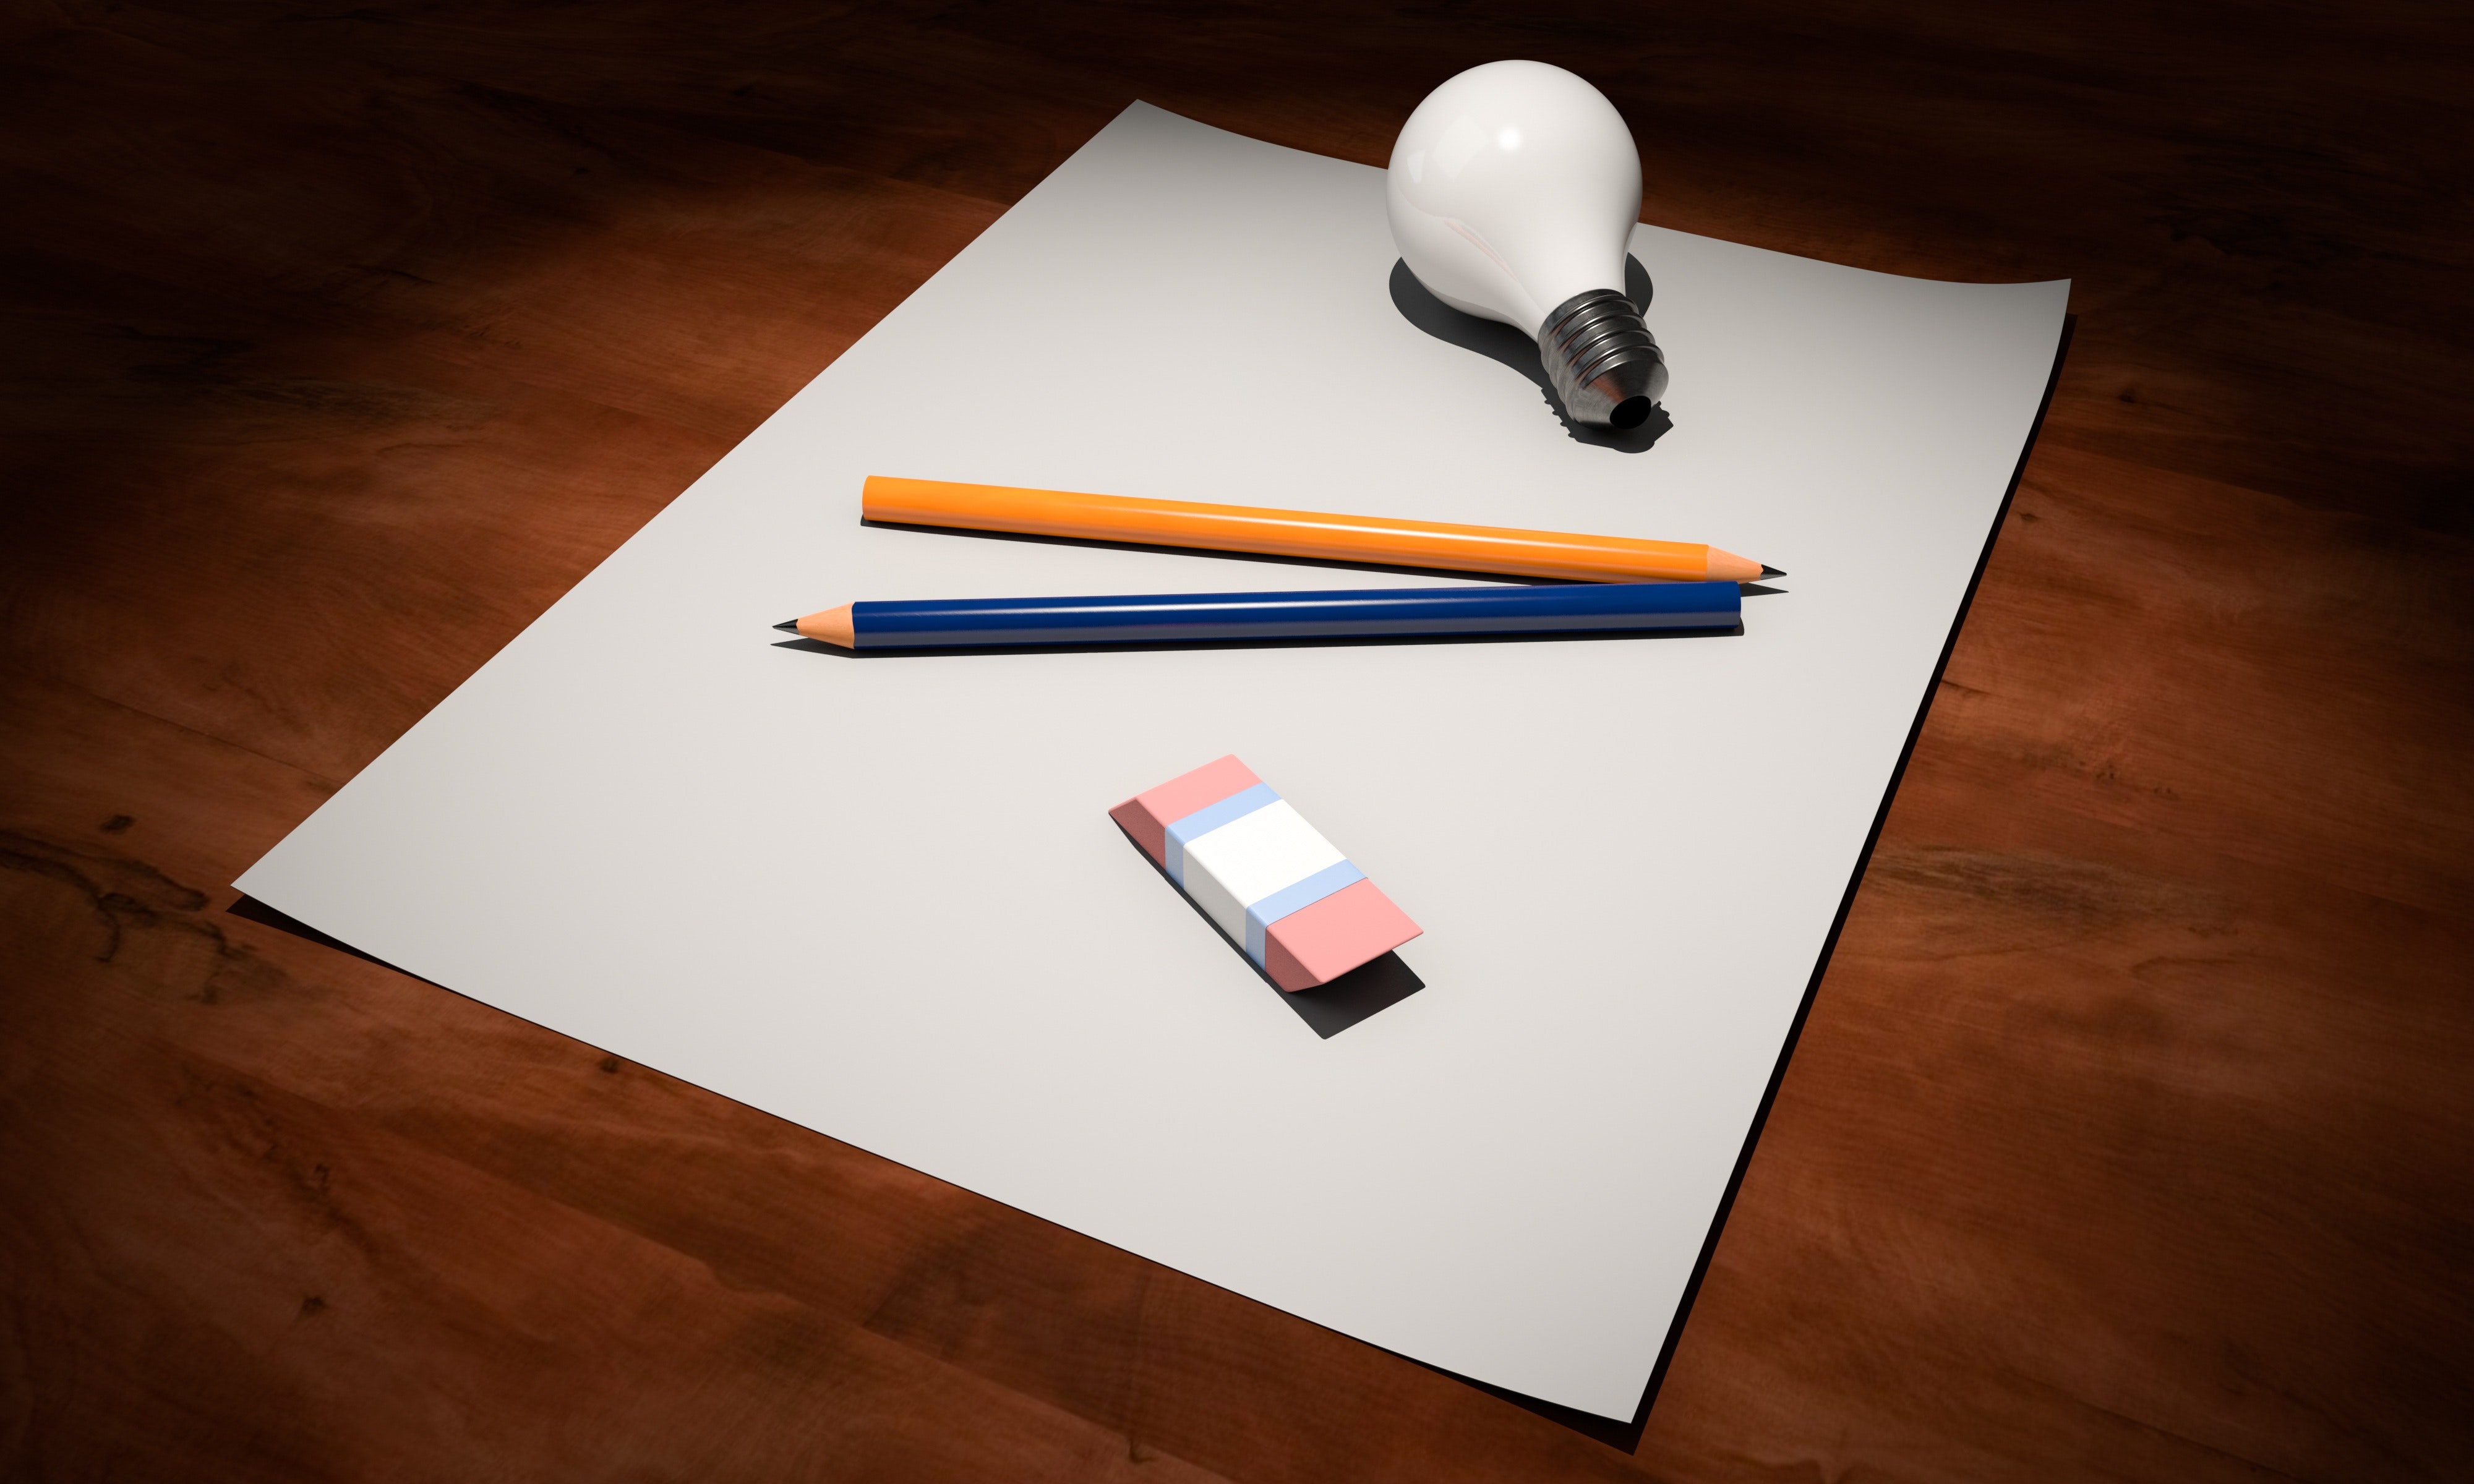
[1500, 341]
[256, 911]
[1327, 1009]
[1614, 1432]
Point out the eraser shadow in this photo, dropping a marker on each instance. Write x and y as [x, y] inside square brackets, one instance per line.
[1328, 1009]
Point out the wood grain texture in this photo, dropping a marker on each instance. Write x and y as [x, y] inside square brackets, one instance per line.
[2130, 1136]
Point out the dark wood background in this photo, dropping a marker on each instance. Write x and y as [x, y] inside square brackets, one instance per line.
[2131, 1136]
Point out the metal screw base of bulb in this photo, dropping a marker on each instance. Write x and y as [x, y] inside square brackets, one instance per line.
[1604, 362]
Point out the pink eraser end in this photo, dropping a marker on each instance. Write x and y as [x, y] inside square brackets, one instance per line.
[1146, 815]
[1319, 944]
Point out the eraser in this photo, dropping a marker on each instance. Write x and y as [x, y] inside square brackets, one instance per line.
[1304, 915]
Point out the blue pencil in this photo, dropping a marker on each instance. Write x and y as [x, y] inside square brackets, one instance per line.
[1390, 612]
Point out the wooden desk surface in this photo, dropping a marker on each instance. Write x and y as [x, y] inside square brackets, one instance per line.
[2131, 1136]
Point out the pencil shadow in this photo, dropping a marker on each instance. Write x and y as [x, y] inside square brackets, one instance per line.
[1328, 1009]
[807, 646]
[1500, 341]
[1225, 556]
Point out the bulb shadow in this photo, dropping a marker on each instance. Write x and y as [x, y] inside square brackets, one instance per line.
[1500, 341]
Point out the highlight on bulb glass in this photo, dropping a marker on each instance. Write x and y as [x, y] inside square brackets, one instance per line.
[1513, 192]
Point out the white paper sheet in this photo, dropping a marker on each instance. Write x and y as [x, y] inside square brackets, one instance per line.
[882, 898]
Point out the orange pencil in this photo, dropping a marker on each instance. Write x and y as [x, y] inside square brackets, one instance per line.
[1300, 532]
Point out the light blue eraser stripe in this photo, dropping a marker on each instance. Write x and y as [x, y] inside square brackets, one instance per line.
[1210, 817]
[1296, 896]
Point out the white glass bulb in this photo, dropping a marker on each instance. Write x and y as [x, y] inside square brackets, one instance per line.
[1513, 192]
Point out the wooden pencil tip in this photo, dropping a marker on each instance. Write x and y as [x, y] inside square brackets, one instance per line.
[1771, 571]
[788, 625]
[833, 625]
[1724, 566]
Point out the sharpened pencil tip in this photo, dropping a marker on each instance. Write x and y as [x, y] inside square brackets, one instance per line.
[1768, 572]
[788, 625]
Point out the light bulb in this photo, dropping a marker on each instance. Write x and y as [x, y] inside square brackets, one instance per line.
[1513, 192]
